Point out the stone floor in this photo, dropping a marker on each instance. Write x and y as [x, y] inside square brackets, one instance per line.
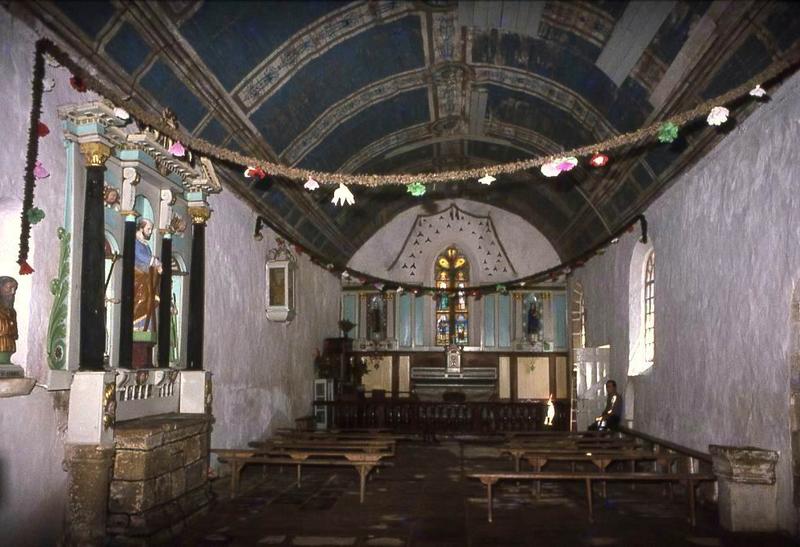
[422, 501]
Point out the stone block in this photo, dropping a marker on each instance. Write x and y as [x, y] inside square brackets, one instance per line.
[133, 465]
[196, 474]
[193, 449]
[163, 489]
[748, 495]
[177, 481]
[131, 496]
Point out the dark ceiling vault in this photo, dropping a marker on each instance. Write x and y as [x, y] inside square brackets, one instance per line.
[388, 87]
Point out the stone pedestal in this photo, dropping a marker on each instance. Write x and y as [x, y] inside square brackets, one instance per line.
[89, 468]
[747, 489]
[160, 477]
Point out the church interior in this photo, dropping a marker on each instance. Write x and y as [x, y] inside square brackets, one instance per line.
[400, 273]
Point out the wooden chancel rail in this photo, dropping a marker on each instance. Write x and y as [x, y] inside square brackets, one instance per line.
[406, 415]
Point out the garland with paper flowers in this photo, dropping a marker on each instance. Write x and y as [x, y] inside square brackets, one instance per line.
[30, 214]
[384, 285]
[552, 164]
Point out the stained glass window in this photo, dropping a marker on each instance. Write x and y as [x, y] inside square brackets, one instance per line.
[451, 274]
[649, 307]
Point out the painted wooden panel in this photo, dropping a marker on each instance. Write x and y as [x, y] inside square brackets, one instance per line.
[504, 380]
[533, 378]
[488, 321]
[504, 320]
[562, 378]
[380, 377]
[404, 374]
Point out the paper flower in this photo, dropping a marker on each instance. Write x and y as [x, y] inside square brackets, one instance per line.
[254, 173]
[758, 91]
[24, 267]
[378, 286]
[35, 215]
[501, 289]
[598, 160]
[416, 189]
[718, 115]
[343, 195]
[42, 130]
[48, 84]
[550, 169]
[177, 149]
[39, 171]
[399, 290]
[121, 113]
[77, 84]
[311, 184]
[668, 132]
[51, 62]
[556, 167]
[487, 179]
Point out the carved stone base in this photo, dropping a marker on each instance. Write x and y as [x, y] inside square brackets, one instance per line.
[7, 370]
[747, 489]
[89, 469]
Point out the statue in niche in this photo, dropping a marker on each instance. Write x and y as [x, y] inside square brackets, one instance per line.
[147, 274]
[534, 326]
[8, 319]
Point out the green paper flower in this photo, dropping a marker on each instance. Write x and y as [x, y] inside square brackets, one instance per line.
[35, 215]
[416, 189]
[501, 289]
[668, 132]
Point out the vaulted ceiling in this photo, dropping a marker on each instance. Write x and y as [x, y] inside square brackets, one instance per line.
[384, 87]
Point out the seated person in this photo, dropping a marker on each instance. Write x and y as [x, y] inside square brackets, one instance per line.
[612, 414]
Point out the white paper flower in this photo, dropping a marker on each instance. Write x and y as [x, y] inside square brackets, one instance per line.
[311, 184]
[718, 115]
[757, 91]
[48, 84]
[51, 62]
[121, 113]
[343, 195]
[550, 169]
[487, 179]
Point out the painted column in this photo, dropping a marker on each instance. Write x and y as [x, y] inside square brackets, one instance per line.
[126, 298]
[194, 352]
[130, 178]
[165, 296]
[165, 285]
[92, 303]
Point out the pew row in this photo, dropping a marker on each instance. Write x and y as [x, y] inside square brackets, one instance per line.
[691, 480]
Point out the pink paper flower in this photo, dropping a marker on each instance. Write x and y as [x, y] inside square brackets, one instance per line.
[177, 149]
[255, 172]
[40, 172]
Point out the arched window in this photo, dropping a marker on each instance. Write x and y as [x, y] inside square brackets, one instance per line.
[649, 283]
[451, 273]
[641, 310]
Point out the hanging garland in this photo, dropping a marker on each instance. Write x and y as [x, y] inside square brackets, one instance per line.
[383, 285]
[664, 131]
[30, 214]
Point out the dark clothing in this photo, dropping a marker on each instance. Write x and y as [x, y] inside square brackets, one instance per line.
[611, 416]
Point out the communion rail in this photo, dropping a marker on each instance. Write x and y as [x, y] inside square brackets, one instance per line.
[446, 418]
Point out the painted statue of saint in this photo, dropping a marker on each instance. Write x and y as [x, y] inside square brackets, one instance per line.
[8, 319]
[146, 276]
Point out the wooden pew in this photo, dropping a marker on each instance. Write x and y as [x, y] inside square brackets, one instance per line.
[362, 462]
[489, 479]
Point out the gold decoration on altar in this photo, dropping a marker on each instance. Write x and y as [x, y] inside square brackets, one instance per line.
[109, 405]
[95, 153]
[200, 215]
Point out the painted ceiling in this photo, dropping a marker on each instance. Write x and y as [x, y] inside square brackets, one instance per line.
[384, 87]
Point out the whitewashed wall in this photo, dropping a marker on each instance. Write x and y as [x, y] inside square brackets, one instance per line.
[527, 249]
[32, 428]
[262, 371]
[727, 244]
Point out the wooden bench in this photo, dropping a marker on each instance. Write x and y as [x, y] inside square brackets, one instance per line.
[489, 479]
[363, 446]
[362, 462]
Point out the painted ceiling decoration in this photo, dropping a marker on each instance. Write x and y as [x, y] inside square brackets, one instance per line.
[429, 86]
[431, 234]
